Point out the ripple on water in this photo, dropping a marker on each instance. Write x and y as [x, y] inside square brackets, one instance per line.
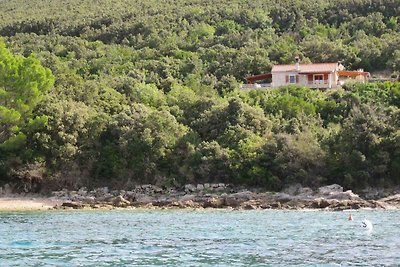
[21, 243]
[206, 238]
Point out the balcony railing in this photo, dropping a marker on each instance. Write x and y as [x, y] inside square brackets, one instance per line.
[318, 84]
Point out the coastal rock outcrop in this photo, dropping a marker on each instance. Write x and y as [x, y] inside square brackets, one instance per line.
[73, 205]
[119, 201]
[330, 197]
[390, 202]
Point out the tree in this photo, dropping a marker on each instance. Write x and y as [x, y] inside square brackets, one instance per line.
[360, 152]
[137, 143]
[22, 84]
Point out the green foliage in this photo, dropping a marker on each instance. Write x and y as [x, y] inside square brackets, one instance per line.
[213, 123]
[361, 150]
[137, 143]
[212, 163]
[23, 81]
[147, 92]
[298, 158]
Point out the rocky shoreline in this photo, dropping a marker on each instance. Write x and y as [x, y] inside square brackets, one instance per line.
[202, 196]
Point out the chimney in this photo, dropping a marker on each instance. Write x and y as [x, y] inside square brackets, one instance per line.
[297, 65]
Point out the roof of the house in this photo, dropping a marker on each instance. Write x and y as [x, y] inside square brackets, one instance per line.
[259, 77]
[349, 73]
[307, 68]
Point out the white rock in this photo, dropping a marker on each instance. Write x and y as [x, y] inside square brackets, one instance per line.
[190, 188]
[330, 189]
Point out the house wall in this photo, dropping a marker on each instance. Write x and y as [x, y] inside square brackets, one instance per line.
[279, 79]
[335, 79]
[303, 80]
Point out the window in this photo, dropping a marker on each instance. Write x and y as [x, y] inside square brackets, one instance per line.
[292, 78]
[318, 77]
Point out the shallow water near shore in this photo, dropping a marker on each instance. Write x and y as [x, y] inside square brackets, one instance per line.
[199, 238]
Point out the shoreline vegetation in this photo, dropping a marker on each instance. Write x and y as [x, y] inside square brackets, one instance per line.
[126, 93]
[204, 196]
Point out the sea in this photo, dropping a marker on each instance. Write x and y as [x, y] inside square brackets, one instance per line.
[199, 238]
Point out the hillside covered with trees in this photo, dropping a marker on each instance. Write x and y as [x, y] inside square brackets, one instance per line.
[127, 92]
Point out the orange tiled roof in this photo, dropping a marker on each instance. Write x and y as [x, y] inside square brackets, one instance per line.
[259, 77]
[350, 73]
[307, 68]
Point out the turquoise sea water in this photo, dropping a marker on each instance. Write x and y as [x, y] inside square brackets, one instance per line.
[199, 238]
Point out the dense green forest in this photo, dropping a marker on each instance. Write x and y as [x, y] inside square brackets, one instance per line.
[129, 92]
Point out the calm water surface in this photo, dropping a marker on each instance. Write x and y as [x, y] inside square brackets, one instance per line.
[199, 238]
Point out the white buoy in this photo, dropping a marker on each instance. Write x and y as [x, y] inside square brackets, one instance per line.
[367, 225]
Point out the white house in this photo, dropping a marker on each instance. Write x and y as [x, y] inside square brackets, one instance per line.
[314, 75]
